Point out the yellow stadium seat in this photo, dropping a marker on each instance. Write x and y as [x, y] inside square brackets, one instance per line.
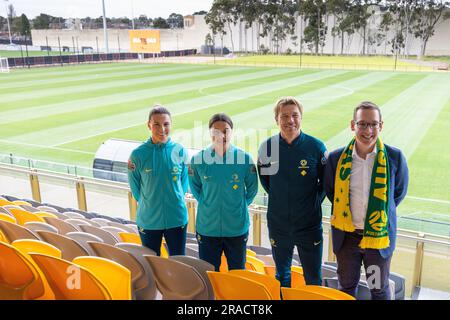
[250, 253]
[23, 216]
[164, 249]
[6, 217]
[19, 276]
[254, 264]
[43, 214]
[329, 292]
[70, 281]
[130, 237]
[301, 294]
[21, 202]
[4, 202]
[227, 286]
[223, 263]
[272, 285]
[35, 246]
[114, 276]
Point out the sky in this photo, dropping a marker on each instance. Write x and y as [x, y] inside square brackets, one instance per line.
[114, 8]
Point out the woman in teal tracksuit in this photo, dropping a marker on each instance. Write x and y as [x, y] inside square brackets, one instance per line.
[224, 181]
[157, 173]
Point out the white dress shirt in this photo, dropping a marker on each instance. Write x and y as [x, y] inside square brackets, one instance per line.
[360, 180]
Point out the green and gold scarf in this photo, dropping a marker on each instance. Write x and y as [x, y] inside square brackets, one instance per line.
[376, 223]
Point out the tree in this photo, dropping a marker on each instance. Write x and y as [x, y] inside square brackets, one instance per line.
[25, 28]
[429, 13]
[175, 20]
[223, 12]
[160, 23]
[315, 32]
[42, 21]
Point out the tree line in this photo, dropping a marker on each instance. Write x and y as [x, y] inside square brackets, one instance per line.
[307, 22]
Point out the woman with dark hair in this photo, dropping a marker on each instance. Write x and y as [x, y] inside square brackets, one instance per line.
[224, 181]
[157, 173]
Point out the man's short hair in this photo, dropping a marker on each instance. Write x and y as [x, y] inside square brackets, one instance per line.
[285, 101]
[158, 109]
[366, 105]
[220, 117]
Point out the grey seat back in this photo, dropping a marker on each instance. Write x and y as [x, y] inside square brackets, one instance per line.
[40, 226]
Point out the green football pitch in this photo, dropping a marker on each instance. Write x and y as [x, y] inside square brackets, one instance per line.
[63, 114]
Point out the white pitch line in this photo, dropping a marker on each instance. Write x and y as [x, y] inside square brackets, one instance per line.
[45, 147]
[429, 200]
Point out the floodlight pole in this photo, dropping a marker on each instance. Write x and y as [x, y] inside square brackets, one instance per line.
[9, 26]
[105, 31]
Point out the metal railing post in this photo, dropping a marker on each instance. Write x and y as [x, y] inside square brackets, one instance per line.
[191, 214]
[256, 228]
[132, 204]
[418, 264]
[35, 189]
[81, 194]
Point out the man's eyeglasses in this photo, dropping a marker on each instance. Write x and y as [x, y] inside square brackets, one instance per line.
[363, 125]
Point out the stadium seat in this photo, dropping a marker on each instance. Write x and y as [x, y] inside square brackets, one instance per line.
[268, 260]
[114, 276]
[232, 287]
[82, 238]
[44, 214]
[65, 276]
[101, 221]
[70, 249]
[5, 211]
[78, 222]
[21, 203]
[133, 227]
[250, 252]
[191, 252]
[29, 208]
[33, 203]
[176, 280]
[261, 250]
[201, 267]
[399, 281]
[272, 285]
[8, 218]
[36, 246]
[17, 274]
[47, 209]
[362, 291]
[149, 292]
[254, 264]
[126, 259]
[114, 231]
[23, 216]
[73, 215]
[62, 226]
[121, 226]
[106, 236]
[302, 294]
[12, 232]
[57, 208]
[130, 237]
[4, 202]
[40, 226]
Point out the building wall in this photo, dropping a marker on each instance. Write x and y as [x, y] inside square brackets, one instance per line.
[193, 37]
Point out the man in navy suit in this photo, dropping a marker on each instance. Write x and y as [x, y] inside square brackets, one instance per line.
[347, 242]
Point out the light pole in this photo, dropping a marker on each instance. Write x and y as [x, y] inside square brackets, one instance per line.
[7, 19]
[105, 31]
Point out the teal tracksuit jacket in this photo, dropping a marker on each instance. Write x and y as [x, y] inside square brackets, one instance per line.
[158, 178]
[223, 187]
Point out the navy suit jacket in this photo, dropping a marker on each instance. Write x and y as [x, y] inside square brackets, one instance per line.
[399, 178]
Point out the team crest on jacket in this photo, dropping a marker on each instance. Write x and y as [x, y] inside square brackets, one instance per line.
[235, 180]
[303, 166]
